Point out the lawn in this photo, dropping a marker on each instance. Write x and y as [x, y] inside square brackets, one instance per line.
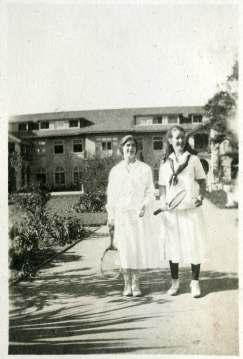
[60, 205]
[218, 198]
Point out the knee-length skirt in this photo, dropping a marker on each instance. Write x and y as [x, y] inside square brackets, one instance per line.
[183, 234]
[138, 243]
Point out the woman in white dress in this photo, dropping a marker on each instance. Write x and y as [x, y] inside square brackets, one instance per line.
[129, 195]
[183, 229]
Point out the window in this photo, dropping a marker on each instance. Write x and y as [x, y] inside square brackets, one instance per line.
[201, 141]
[196, 118]
[59, 124]
[58, 147]
[59, 176]
[106, 146]
[44, 125]
[73, 123]
[157, 120]
[77, 145]
[185, 120]
[41, 147]
[172, 119]
[23, 126]
[41, 176]
[33, 126]
[144, 120]
[157, 143]
[76, 175]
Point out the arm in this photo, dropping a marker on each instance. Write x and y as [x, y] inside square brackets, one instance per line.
[202, 191]
[148, 193]
[200, 178]
[110, 201]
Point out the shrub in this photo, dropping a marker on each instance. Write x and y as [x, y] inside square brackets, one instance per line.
[65, 229]
[33, 202]
[94, 173]
[38, 230]
[91, 202]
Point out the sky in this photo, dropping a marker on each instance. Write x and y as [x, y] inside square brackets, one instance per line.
[84, 56]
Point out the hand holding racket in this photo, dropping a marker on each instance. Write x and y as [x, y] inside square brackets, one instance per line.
[110, 260]
[173, 203]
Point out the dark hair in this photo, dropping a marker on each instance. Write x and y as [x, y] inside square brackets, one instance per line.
[169, 148]
[124, 140]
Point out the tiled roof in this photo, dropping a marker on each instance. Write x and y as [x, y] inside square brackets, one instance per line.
[104, 121]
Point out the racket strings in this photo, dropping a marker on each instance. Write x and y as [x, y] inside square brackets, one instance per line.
[177, 199]
[110, 264]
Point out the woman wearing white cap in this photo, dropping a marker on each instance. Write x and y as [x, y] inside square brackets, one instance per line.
[129, 195]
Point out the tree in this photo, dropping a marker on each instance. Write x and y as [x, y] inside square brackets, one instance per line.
[95, 172]
[221, 109]
[15, 163]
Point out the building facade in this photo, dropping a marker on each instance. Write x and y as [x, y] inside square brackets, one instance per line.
[56, 144]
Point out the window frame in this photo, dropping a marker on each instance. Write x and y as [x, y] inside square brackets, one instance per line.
[54, 147]
[76, 170]
[156, 139]
[195, 116]
[76, 121]
[80, 143]
[23, 124]
[60, 173]
[44, 125]
[42, 146]
[42, 172]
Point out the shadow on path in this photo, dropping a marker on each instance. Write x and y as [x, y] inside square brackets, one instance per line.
[36, 327]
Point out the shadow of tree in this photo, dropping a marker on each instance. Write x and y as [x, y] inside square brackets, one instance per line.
[35, 327]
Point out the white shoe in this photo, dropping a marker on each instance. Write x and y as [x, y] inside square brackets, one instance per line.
[127, 292]
[174, 289]
[195, 289]
[136, 292]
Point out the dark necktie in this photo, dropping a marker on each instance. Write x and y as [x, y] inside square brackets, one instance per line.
[173, 178]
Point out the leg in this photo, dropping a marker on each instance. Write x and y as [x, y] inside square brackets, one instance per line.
[174, 269]
[127, 282]
[136, 292]
[195, 287]
[195, 271]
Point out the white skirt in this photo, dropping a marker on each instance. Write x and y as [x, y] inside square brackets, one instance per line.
[183, 235]
[138, 244]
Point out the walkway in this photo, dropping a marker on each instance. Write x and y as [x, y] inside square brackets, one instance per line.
[70, 309]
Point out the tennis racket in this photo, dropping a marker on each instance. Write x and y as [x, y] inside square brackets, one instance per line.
[173, 203]
[110, 260]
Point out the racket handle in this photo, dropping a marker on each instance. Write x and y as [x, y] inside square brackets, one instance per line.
[157, 211]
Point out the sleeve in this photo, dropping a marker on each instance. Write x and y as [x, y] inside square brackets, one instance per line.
[162, 177]
[198, 169]
[110, 207]
[149, 188]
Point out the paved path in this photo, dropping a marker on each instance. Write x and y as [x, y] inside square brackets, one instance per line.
[70, 309]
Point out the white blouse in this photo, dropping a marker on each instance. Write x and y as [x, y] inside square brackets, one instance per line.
[186, 179]
[130, 187]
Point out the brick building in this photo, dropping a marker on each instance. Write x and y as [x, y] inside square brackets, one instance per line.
[55, 144]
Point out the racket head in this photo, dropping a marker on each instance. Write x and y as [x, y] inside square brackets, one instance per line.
[110, 263]
[177, 199]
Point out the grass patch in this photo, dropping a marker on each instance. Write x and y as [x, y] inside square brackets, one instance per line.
[60, 205]
[218, 198]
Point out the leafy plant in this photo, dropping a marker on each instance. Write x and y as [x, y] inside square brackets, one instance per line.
[94, 173]
[91, 202]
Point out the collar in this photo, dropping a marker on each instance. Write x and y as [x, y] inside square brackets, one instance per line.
[128, 166]
[181, 158]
